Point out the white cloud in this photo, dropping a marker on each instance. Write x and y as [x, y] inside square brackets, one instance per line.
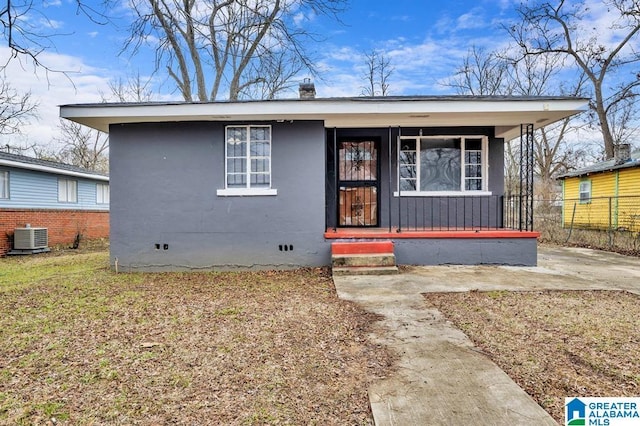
[298, 19]
[80, 83]
[470, 20]
[51, 24]
[602, 22]
[417, 67]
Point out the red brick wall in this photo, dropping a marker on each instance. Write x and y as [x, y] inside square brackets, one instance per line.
[63, 225]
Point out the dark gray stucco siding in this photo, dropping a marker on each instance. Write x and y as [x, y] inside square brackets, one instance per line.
[164, 179]
[463, 251]
[496, 165]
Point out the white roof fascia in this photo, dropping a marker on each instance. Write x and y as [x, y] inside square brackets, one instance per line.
[42, 168]
[338, 113]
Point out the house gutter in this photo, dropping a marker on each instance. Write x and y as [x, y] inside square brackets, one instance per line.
[41, 168]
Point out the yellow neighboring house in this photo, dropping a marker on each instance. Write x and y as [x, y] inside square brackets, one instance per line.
[605, 195]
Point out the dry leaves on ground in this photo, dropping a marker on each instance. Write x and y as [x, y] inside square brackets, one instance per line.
[554, 344]
[83, 345]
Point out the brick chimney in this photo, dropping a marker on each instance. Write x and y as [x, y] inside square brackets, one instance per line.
[622, 153]
[307, 89]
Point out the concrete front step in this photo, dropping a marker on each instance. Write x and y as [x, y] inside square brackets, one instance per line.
[339, 260]
[365, 270]
[363, 258]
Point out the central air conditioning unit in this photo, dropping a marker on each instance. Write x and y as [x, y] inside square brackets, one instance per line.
[30, 238]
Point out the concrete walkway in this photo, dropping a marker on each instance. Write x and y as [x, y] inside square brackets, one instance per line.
[441, 378]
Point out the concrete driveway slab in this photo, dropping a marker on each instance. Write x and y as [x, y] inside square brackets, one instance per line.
[441, 378]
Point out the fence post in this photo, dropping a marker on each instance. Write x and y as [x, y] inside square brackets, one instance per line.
[610, 229]
[573, 215]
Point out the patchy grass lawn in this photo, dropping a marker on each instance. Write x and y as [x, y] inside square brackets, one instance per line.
[83, 345]
[554, 344]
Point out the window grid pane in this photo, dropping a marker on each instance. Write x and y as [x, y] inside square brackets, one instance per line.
[248, 157]
[473, 179]
[584, 190]
[473, 185]
[236, 180]
[408, 185]
[434, 163]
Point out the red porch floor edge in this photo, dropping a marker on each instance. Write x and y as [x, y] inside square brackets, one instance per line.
[383, 233]
[362, 247]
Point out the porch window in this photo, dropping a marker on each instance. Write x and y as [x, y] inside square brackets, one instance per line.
[247, 161]
[4, 184]
[439, 165]
[584, 191]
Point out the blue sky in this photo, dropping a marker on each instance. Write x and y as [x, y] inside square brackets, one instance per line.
[425, 41]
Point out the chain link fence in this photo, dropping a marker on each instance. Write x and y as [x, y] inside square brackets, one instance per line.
[608, 223]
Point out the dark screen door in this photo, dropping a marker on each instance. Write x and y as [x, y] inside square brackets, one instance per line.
[358, 183]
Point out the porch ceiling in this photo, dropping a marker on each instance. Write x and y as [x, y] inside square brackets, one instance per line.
[505, 113]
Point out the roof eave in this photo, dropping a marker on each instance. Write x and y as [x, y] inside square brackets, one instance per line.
[53, 170]
[503, 113]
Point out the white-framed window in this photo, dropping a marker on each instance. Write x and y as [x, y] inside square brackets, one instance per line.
[247, 161]
[584, 191]
[443, 165]
[67, 191]
[4, 184]
[102, 193]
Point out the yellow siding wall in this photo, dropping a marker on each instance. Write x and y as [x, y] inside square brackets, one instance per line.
[629, 182]
[594, 214]
[629, 201]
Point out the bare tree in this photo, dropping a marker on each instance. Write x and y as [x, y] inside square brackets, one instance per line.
[88, 148]
[561, 28]
[134, 89]
[81, 146]
[622, 115]
[378, 71]
[211, 47]
[500, 73]
[553, 152]
[482, 73]
[274, 74]
[25, 22]
[16, 109]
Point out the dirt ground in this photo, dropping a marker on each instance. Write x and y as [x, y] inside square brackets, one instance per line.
[80, 344]
[554, 344]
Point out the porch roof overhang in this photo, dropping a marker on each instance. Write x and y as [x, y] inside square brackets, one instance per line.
[506, 114]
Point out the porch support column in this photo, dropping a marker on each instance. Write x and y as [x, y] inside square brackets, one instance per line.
[398, 176]
[337, 177]
[526, 177]
[390, 178]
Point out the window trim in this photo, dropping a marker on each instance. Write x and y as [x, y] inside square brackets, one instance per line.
[462, 192]
[586, 200]
[75, 193]
[98, 191]
[248, 190]
[5, 189]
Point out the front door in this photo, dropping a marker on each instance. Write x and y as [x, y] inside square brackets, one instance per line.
[358, 182]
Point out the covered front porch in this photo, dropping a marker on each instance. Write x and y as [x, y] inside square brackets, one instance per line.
[437, 193]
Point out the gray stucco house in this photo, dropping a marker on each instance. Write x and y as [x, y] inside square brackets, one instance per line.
[272, 184]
